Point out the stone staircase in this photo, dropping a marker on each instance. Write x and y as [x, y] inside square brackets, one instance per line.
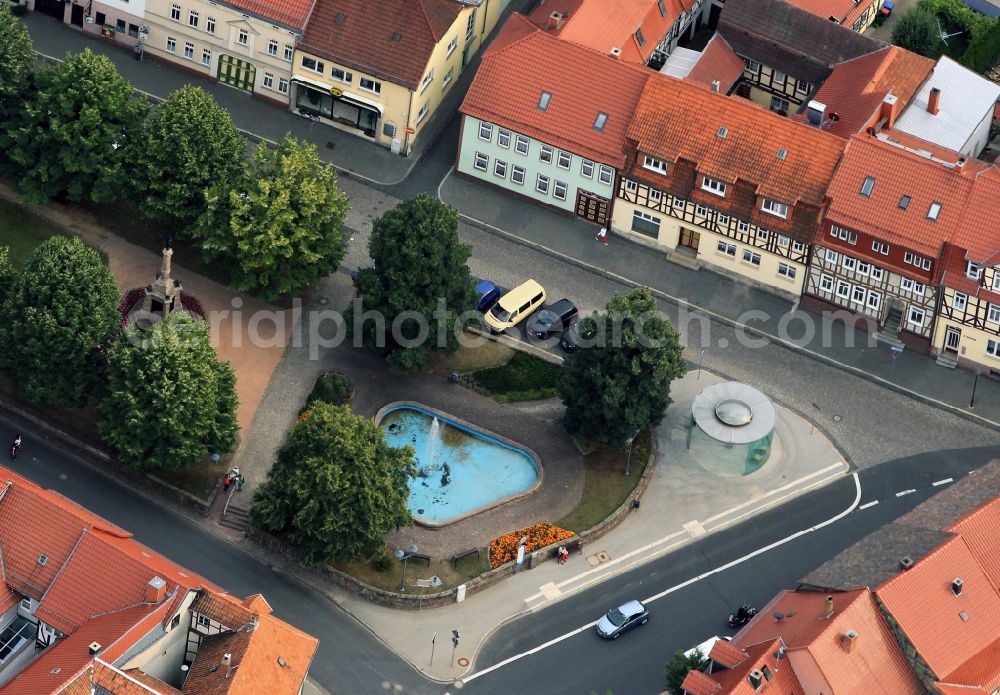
[947, 360]
[236, 518]
[889, 334]
[685, 257]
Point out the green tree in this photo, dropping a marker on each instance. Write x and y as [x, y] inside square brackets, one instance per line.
[917, 31]
[622, 383]
[418, 263]
[678, 667]
[282, 229]
[170, 401]
[336, 488]
[54, 324]
[72, 136]
[7, 276]
[188, 144]
[16, 63]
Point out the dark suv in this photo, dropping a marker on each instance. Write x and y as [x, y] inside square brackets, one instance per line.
[579, 334]
[552, 319]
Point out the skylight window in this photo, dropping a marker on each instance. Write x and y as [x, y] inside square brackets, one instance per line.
[935, 210]
[867, 186]
[904, 202]
[397, 36]
[42, 559]
[599, 122]
[339, 19]
[543, 101]
[782, 154]
[723, 132]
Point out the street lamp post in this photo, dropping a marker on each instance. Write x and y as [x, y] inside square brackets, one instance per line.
[628, 460]
[454, 645]
[403, 557]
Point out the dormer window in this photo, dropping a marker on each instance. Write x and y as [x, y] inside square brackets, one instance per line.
[867, 186]
[713, 186]
[973, 271]
[773, 207]
[639, 37]
[543, 101]
[934, 211]
[662, 7]
[653, 164]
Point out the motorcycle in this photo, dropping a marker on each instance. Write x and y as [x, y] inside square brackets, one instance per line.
[742, 615]
[15, 448]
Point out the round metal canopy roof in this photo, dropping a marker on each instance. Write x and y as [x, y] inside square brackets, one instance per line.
[734, 413]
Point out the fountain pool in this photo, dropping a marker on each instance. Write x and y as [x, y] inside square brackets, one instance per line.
[461, 470]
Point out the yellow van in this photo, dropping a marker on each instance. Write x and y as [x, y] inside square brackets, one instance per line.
[515, 306]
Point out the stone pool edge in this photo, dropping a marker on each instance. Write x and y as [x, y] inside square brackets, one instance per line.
[441, 415]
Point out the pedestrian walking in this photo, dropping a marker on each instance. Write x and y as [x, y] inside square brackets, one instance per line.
[227, 482]
[240, 479]
[602, 236]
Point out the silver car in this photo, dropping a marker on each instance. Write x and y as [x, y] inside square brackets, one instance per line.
[622, 619]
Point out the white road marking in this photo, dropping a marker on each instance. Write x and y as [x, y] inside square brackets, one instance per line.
[943, 482]
[905, 492]
[868, 504]
[723, 568]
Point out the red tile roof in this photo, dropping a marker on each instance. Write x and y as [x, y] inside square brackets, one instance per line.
[897, 173]
[223, 609]
[953, 634]
[980, 530]
[847, 12]
[291, 13]
[874, 667]
[978, 232]
[726, 655]
[718, 62]
[856, 88]
[359, 34]
[698, 683]
[944, 689]
[606, 24]
[508, 85]
[762, 655]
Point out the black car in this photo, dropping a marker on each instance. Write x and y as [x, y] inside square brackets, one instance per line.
[552, 319]
[579, 334]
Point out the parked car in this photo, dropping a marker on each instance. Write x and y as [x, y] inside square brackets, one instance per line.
[552, 319]
[515, 306]
[579, 334]
[487, 295]
[622, 619]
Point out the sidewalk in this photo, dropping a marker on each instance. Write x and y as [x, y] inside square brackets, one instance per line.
[723, 298]
[684, 501]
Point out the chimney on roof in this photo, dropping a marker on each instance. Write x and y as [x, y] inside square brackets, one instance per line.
[828, 607]
[756, 678]
[226, 658]
[555, 20]
[615, 53]
[888, 111]
[956, 586]
[94, 648]
[850, 641]
[960, 164]
[155, 590]
[933, 101]
[815, 113]
[716, 85]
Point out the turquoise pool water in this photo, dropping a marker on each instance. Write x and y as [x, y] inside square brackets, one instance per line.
[459, 470]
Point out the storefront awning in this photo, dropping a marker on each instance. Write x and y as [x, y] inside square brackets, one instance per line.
[338, 93]
[361, 101]
[315, 84]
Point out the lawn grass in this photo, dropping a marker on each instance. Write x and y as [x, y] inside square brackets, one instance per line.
[451, 575]
[524, 377]
[606, 486]
[486, 354]
[199, 478]
[21, 231]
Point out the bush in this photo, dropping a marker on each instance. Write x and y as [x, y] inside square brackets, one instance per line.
[524, 377]
[383, 563]
[333, 388]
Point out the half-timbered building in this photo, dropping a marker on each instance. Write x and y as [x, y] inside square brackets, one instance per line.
[719, 181]
[856, 15]
[877, 255]
[788, 51]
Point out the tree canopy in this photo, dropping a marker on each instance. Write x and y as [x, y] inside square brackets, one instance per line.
[171, 402]
[16, 63]
[622, 384]
[678, 667]
[336, 488]
[280, 229]
[187, 144]
[418, 261]
[71, 137]
[56, 320]
[917, 31]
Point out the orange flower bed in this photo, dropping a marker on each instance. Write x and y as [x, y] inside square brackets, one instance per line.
[504, 548]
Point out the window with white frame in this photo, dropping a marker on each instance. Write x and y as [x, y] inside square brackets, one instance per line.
[744, 226]
[486, 131]
[908, 258]
[521, 144]
[850, 263]
[993, 313]
[751, 257]
[606, 175]
[517, 175]
[973, 271]
[918, 288]
[680, 203]
[798, 246]
[171, 44]
[880, 247]
[858, 294]
[188, 50]
[545, 154]
[786, 271]
[175, 13]
[482, 161]
[373, 86]
[428, 78]
[959, 300]
[763, 234]
[654, 164]
[916, 317]
[565, 159]
[992, 348]
[773, 207]
[753, 66]
[559, 190]
[447, 77]
[422, 113]
[826, 283]
[631, 186]
[210, 25]
[863, 268]
[801, 86]
[779, 104]
[831, 256]
[995, 284]
[874, 301]
[723, 219]
[542, 183]
[341, 75]
[503, 138]
[288, 52]
[243, 37]
[876, 273]
[272, 47]
[282, 85]
[268, 81]
[925, 263]
[500, 168]
[470, 25]
[779, 77]
[783, 241]
[587, 168]
[713, 186]
[700, 210]
[843, 289]
[452, 45]
[313, 65]
[906, 284]
[193, 19]
[844, 235]
[724, 247]
[647, 224]
[654, 195]
[206, 57]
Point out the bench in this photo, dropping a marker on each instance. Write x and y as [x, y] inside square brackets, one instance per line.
[420, 556]
[461, 556]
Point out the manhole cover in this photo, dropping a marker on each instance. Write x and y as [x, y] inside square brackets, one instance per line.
[463, 662]
[837, 418]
